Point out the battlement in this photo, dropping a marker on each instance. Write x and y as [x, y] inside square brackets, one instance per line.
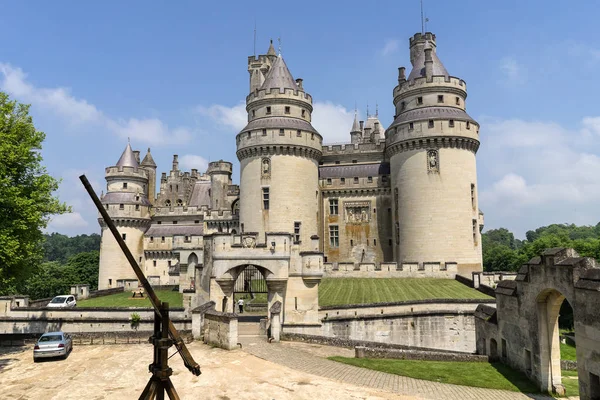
[276, 93]
[175, 211]
[339, 149]
[421, 37]
[439, 81]
[126, 172]
[257, 60]
[219, 167]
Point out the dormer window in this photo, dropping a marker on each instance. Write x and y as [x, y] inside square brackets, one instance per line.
[420, 100]
[268, 110]
[287, 109]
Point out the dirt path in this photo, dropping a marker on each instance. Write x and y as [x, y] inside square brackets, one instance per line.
[120, 372]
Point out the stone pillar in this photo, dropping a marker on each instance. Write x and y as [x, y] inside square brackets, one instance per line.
[276, 293]
[275, 311]
[225, 303]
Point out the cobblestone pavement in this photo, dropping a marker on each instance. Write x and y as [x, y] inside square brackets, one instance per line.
[299, 357]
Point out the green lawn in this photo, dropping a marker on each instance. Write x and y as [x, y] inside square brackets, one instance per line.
[476, 374]
[567, 352]
[570, 382]
[124, 299]
[340, 291]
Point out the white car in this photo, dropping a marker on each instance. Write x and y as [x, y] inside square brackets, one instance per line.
[63, 301]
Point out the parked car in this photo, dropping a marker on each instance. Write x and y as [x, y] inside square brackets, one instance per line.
[63, 301]
[52, 344]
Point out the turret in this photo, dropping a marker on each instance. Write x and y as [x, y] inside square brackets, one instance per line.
[279, 151]
[220, 179]
[355, 131]
[128, 206]
[431, 146]
[149, 165]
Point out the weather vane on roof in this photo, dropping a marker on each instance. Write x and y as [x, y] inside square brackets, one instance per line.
[424, 20]
[279, 41]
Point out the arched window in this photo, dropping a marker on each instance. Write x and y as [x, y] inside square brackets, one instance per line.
[168, 203]
[179, 202]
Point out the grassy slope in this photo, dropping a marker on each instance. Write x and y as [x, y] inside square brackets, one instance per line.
[570, 382]
[175, 299]
[567, 352]
[485, 375]
[339, 291]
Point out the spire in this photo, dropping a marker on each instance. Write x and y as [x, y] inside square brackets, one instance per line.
[419, 44]
[127, 158]
[148, 160]
[271, 51]
[355, 124]
[279, 76]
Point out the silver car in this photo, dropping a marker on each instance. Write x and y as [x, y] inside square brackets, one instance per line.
[52, 344]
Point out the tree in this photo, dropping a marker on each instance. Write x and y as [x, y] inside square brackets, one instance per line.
[60, 248]
[85, 268]
[26, 195]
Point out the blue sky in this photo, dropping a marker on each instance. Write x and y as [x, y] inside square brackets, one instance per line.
[172, 76]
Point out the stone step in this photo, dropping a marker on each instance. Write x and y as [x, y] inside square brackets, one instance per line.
[248, 329]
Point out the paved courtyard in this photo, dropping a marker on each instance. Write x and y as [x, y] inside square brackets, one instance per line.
[258, 371]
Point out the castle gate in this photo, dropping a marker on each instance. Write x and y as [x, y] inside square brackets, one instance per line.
[524, 323]
[251, 286]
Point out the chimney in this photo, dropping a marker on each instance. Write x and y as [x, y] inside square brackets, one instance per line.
[401, 75]
[194, 173]
[428, 63]
[376, 127]
[136, 154]
[362, 124]
[299, 83]
[175, 162]
[163, 177]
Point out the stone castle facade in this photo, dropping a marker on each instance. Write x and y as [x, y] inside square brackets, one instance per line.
[405, 196]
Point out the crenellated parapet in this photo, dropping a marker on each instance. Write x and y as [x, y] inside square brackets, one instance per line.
[287, 150]
[126, 173]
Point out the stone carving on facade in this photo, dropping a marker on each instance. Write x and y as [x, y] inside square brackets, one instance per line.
[248, 241]
[357, 212]
[266, 167]
[433, 161]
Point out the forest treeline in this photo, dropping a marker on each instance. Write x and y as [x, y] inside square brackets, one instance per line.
[67, 261]
[502, 252]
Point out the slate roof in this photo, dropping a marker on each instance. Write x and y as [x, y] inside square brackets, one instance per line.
[125, 198]
[127, 158]
[279, 122]
[436, 112]
[355, 124]
[419, 66]
[279, 76]
[200, 196]
[148, 160]
[173, 230]
[350, 171]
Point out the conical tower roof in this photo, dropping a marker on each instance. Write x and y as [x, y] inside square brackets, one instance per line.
[355, 124]
[127, 158]
[419, 66]
[148, 160]
[279, 76]
[271, 51]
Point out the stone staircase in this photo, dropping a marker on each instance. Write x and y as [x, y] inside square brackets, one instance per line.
[249, 329]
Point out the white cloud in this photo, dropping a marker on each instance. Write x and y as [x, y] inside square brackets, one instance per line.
[511, 69]
[537, 173]
[390, 47]
[58, 100]
[75, 111]
[152, 131]
[232, 118]
[190, 161]
[333, 121]
[66, 222]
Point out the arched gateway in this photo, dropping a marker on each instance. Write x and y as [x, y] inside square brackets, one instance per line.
[524, 323]
[291, 276]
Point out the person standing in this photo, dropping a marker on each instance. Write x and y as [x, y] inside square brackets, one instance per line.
[241, 305]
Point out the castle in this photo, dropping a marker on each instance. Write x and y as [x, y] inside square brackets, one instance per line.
[404, 196]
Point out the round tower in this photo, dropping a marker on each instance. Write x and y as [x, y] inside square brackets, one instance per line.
[279, 152]
[129, 208]
[220, 179]
[431, 146]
